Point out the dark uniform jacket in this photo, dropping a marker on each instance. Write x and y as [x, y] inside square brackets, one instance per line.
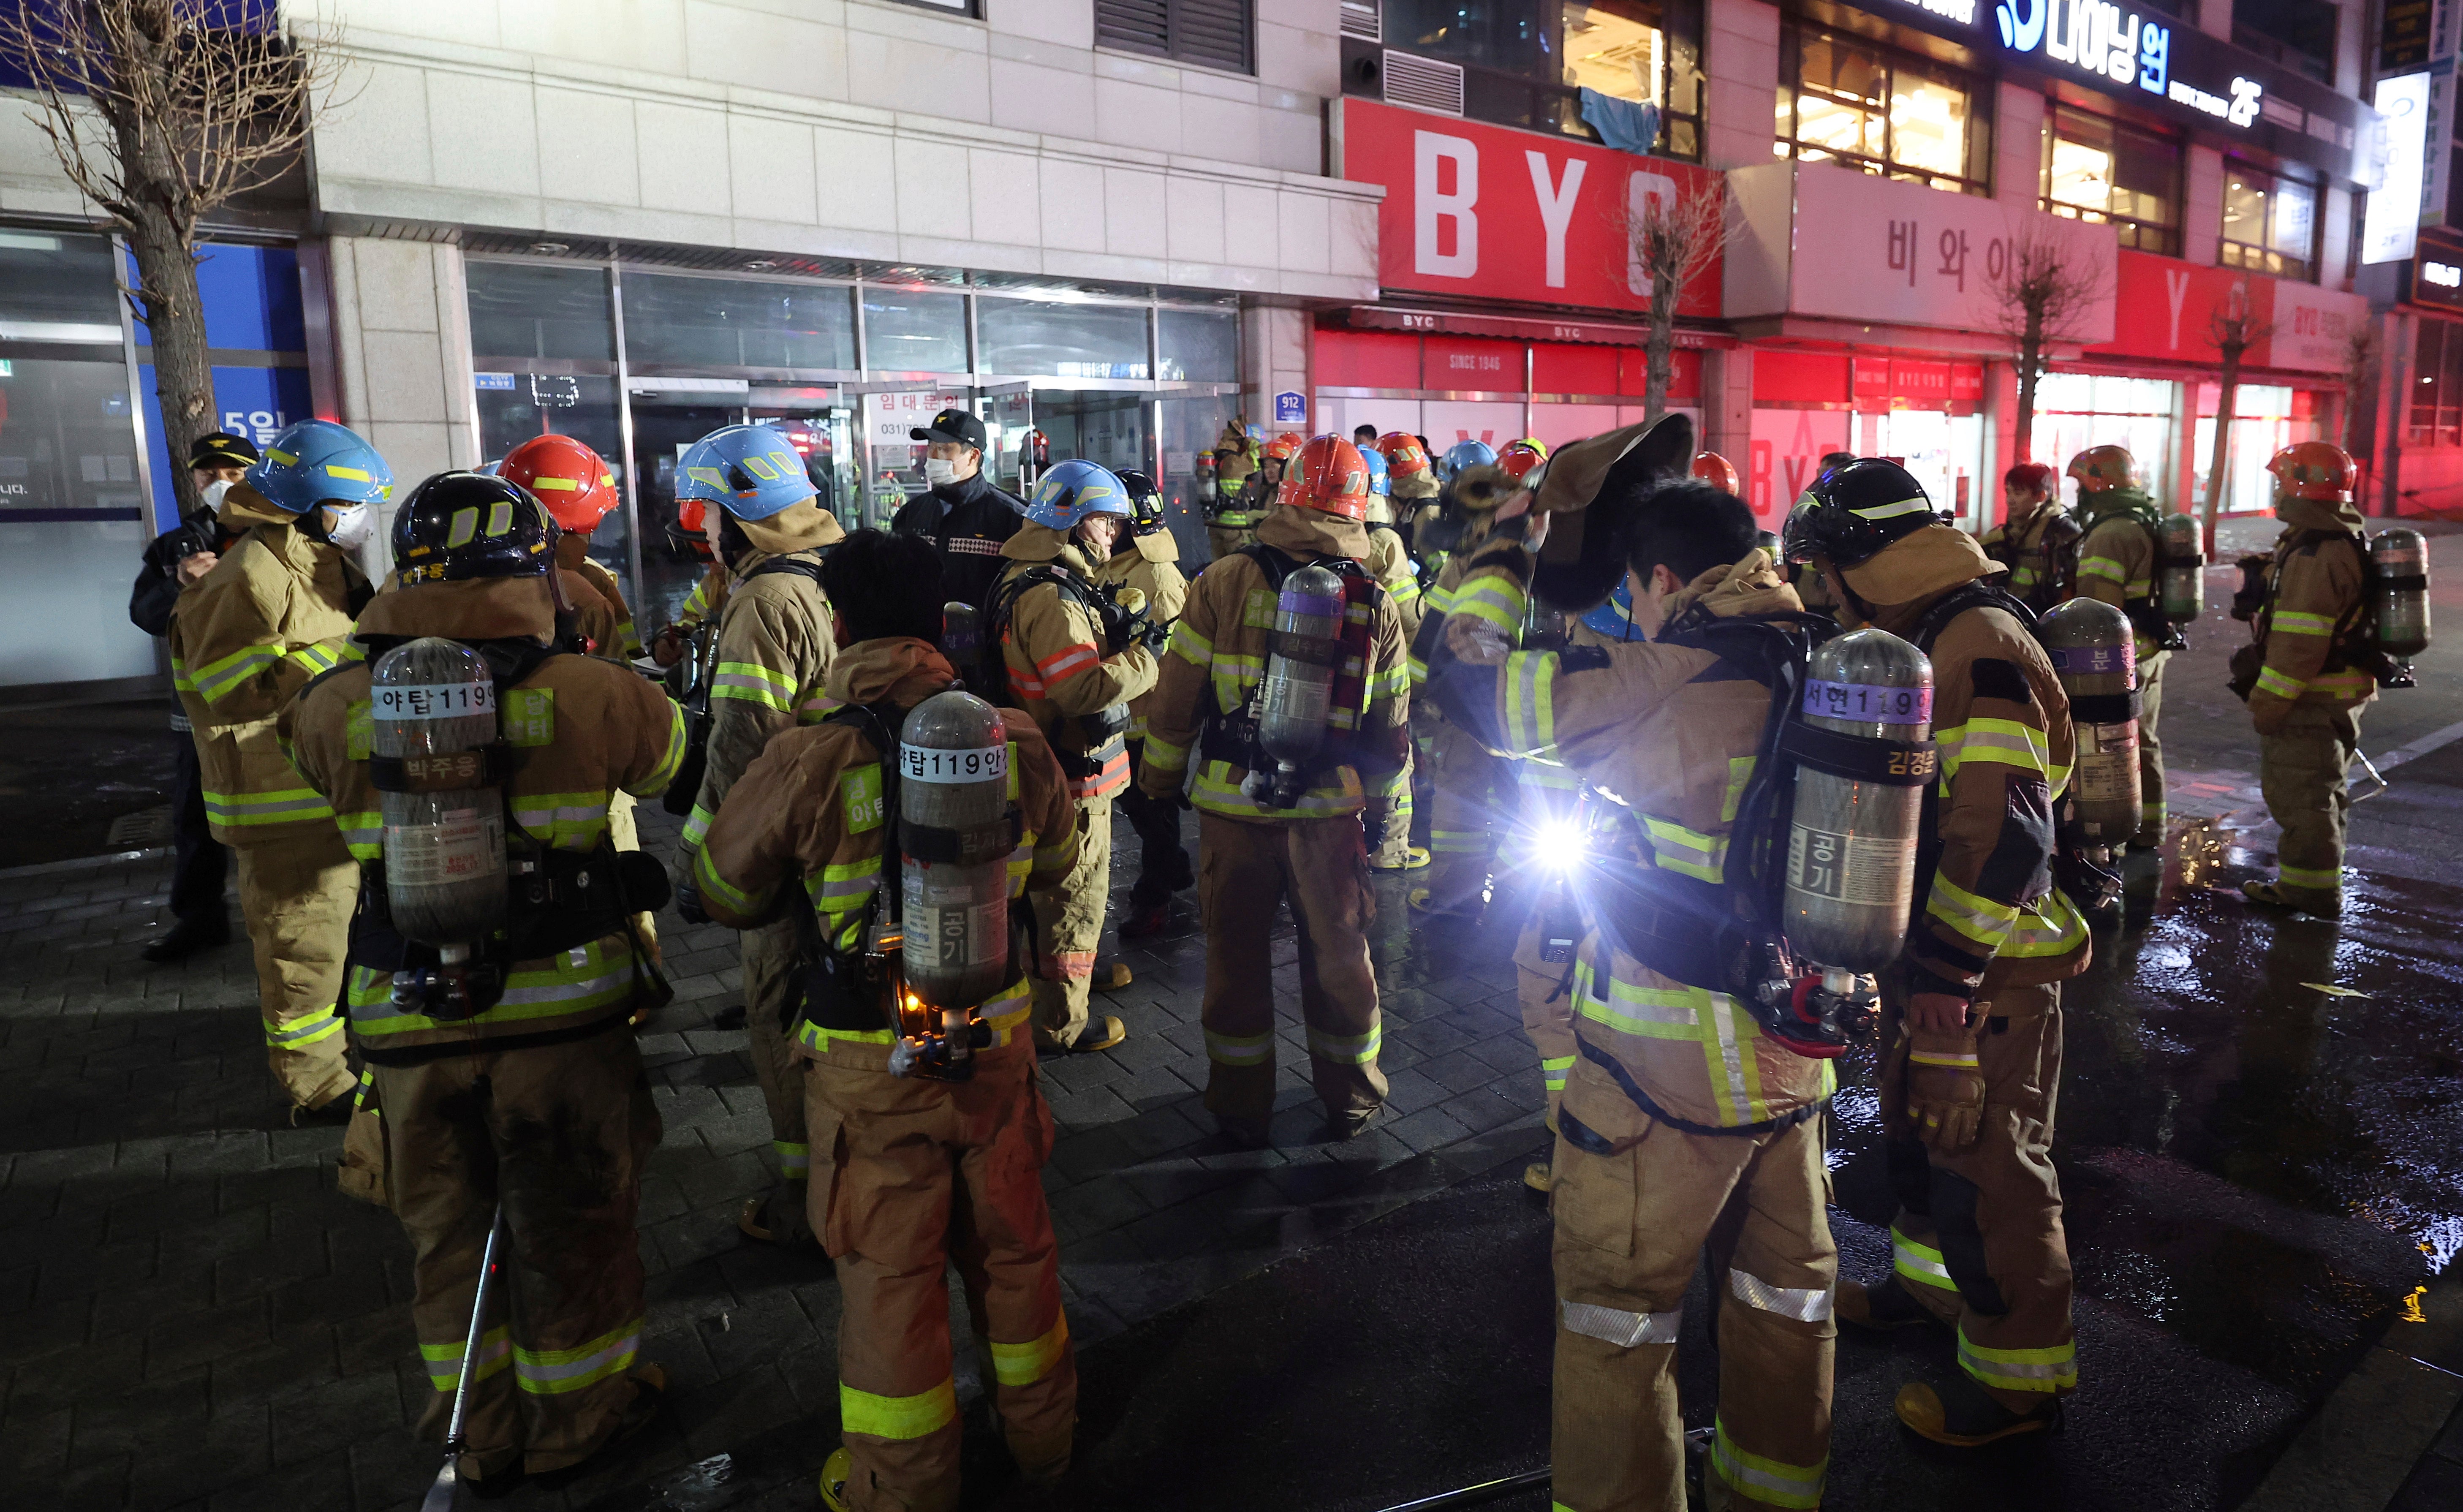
[968, 520]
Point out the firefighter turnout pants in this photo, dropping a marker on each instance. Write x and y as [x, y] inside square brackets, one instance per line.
[1162, 861]
[773, 958]
[2150, 748]
[1979, 1239]
[1544, 990]
[558, 1133]
[1471, 805]
[1246, 869]
[1636, 1201]
[1068, 922]
[298, 894]
[913, 1176]
[2302, 770]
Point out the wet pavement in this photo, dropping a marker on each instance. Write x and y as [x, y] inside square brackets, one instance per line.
[2261, 1149]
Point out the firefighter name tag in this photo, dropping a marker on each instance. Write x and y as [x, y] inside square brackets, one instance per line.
[932, 764]
[1868, 701]
[432, 701]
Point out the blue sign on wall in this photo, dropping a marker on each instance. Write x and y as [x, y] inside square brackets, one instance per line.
[1291, 409]
[253, 305]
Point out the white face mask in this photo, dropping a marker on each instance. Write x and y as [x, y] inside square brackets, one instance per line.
[940, 472]
[354, 528]
[212, 492]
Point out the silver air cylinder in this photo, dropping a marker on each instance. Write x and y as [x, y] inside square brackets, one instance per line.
[2095, 656]
[953, 805]
[2183, 572]
[1297, 693]
[2402, 559]
[432, 705]
[1851, 848]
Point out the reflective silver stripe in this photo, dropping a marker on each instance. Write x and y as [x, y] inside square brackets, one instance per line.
[1804, 1303]
[1624, 1330]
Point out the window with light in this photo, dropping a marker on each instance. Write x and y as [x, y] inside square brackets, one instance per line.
[2270, 222]
[1848, 101]
[1645, 53]
[2100, 170]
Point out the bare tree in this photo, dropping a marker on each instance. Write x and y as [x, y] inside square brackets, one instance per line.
[1669, 241]
[2232, 330]
[2360, 351]
[2044, 288]
[161, 112]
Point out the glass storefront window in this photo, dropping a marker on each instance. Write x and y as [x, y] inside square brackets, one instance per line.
[539, 310]
[1033, 338]
[2078, 410]
[2263, 424]
[1525, 61]
[1843, 99]
[914, 331]
[1198, 346]
[72, 514]
[2436, 385]
[735, 323]
[2270, 222]
[584, 409]
[2097, 169]
[56, 287]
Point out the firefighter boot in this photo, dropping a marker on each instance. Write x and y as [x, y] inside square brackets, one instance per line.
[835, 1472]
[1880, 1308]
[1963, 1415]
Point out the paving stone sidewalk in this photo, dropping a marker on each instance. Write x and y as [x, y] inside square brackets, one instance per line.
[192, 1316]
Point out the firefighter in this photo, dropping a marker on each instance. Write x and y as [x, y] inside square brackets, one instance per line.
[963, 514]
[1971, 1012]
[1810, 585]
[1257, 850]
[578, 488]
[274, 612]
[2037, 539]
[174, 560]
[774, 645]
[2118, 562]
[1732, 1152]
[1411, 480]
[1389, 563]
[2305, 695]
[689, 540]
[1719, 473]
[530, 1095]
[1247, 478]
[1149, 563]
[1476, 796]
[1074, 663]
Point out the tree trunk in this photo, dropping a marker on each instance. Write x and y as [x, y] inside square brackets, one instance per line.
[2226, 400]
[2031, 354]
[175, 318]
[1659, 345]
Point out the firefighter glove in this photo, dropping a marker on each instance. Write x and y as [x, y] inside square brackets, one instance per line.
[1944, 1090]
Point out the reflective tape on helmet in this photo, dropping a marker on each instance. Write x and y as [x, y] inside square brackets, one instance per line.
[1918, 505]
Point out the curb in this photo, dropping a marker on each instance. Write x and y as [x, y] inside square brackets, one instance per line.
[85, 863]
[2366, 1436]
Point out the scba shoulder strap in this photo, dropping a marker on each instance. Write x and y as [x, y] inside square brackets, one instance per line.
[1957, 601]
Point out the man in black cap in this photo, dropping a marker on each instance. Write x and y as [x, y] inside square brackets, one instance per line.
[964, 515]
[178, 557]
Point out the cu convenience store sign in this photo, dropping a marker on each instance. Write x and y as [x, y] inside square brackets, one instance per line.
[1491, 212]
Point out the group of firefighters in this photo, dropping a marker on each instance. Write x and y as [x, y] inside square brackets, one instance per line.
[901, 795]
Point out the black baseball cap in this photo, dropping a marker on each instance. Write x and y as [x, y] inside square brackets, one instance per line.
[953, 425]
[222, 450]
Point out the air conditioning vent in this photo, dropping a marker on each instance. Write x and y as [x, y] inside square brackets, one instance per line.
[1363, 19]
[1424, 82]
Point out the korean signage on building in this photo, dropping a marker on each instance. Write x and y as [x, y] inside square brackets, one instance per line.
[2143, 56]
[1822, 241]
[1491, 212]
[2178, 312]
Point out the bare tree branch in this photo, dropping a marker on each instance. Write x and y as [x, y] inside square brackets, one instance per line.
[2232, 328]
[2044, 291]
[1668, 243]
[160, 113]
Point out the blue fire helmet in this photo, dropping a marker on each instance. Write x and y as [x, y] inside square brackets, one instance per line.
[749, 470]
[1614, 619]
[490, 470]
[319, 462]
[1465, 454]
[1072, 490]
[1380, 479]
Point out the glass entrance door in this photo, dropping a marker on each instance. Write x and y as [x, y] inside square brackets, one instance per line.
[664, 426]
[1007, 414]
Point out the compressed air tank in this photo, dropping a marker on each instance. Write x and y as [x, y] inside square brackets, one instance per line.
[954, 836]
[2401, 557]
[432, 710]
[2095, 656]
[1298, 690]
[1851, 848]
[2182, 582]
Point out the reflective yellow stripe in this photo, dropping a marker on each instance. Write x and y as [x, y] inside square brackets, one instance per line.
[1687, 850]
[706, 877]
[1727, 1034]
[284, 807]
[1189, 646]
[444, 1360]
[1355, 1049]
[2009, 741]
[1772, 1482]
[670, 764]
[2281, 685]
[1528, 686]
[2055, 926]
[1025, 1363]
[304, 1031]
[1920, 1263]
[1985, 923]
[2101, 567]
[363, 833]
[549, 1372]
[2294, 623]
[1553, 1069]
[572, 820]
[217, 678]
[1163, 756]
[1217, 793]
[2048, 1370]
[1494, 598]
[753, 684]
[589, 977]
[2322, 879]
[903, 1417]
